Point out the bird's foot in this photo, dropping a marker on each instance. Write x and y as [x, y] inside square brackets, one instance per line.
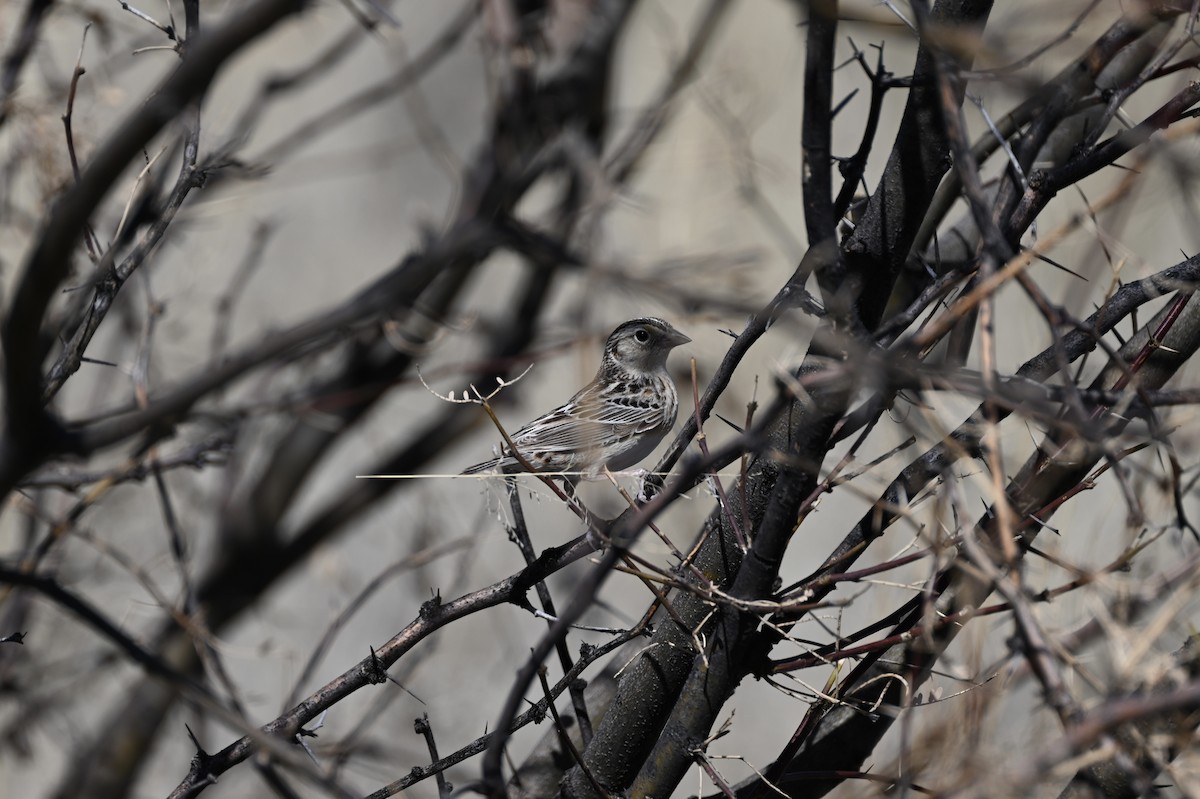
[649, 485]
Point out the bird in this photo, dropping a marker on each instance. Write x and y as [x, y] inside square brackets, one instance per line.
[614, 421]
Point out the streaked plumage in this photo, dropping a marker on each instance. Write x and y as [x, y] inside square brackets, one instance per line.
[614, 421]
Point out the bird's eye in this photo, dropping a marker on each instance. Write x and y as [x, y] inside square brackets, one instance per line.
[641, 336]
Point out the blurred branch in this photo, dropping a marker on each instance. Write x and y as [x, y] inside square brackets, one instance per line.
[30, 436]
[18, 53]
[208, 451]
[351, 107]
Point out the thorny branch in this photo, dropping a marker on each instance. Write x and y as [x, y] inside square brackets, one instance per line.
[916, 308]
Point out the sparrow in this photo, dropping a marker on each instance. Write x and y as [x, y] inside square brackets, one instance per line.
[615, 421]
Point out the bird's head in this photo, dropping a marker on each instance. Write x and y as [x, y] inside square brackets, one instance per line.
[641, 345]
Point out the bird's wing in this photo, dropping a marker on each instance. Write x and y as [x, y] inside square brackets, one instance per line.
[589, 420]
[485, 466]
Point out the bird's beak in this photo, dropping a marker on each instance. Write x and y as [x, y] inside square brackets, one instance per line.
[676, 338]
